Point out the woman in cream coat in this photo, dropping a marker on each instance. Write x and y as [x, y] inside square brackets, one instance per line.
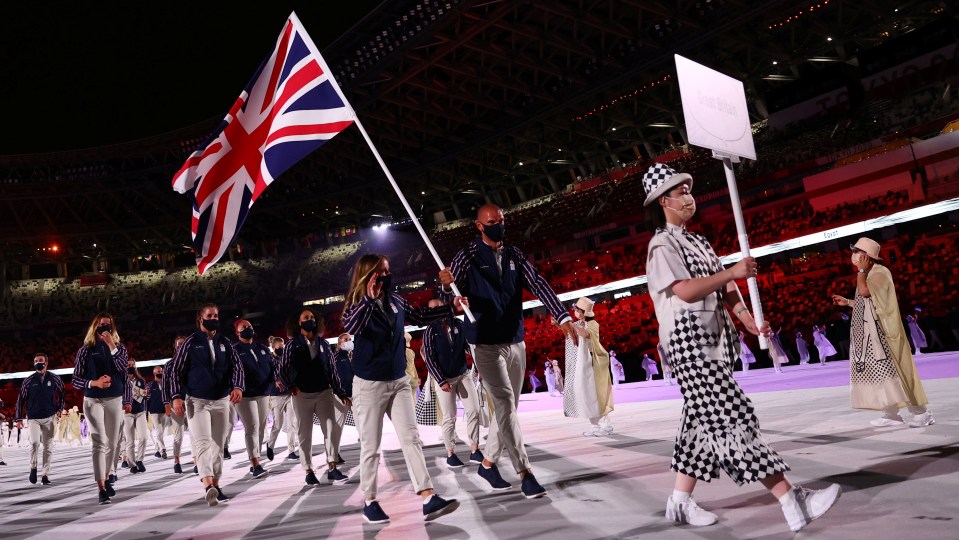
[588, 328]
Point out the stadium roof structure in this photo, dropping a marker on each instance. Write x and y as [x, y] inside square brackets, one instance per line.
[468, 101]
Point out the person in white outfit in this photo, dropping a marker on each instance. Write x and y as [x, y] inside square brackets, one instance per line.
[746, 358]
[619, 374]
[823, 345]
[802, 349]
[917, 335]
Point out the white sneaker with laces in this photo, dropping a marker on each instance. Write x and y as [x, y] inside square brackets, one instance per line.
[922, 420]
[886, 421]
[804, 505]
[595, 432]
[689, 512]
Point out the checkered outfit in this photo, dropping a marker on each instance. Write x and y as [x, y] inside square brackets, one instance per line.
[426, 405]
[719, 428]
[656, 175]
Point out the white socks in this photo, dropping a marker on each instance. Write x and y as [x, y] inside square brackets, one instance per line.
[681, 496]
[428, 499]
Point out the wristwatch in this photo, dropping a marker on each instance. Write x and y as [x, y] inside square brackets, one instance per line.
[862, 270]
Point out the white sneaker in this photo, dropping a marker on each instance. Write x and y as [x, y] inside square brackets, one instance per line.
[689, 512]
[595, 432]
[805, 505]
[886, 421]
[922, 420]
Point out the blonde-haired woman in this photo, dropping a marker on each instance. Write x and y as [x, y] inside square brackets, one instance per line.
[375, 316]
[101, 372]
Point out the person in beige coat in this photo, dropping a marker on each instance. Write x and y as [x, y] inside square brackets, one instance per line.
[882, 370]
[589, 330]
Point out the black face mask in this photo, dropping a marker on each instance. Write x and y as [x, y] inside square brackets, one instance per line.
[387, 282]
[247, 333]
[157, 376]
[279, 351]
[211, 324]
[104, 328]
[309, 326]
[131, 370]
[39, 366]
[495, 232]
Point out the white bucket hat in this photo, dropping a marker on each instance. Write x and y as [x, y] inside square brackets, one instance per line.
[868, 246]
[586, 305]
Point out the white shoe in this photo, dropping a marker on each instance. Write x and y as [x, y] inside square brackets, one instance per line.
[922, 420]
[595, 432]
[805, 505]
[885, 421]
[689, 512]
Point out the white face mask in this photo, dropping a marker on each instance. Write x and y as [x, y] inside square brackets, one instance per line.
[688, 208]
[348, 346]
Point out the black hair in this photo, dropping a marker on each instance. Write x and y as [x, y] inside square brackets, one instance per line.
[655, 217]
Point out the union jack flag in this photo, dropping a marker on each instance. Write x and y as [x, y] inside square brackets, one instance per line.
[289, 109]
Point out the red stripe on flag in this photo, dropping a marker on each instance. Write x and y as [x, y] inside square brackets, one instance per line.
[281, 51]
[217, 237]
[310, 129]
[310, 73]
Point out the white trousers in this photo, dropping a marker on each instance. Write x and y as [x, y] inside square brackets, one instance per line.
[502, 368]
[463, 387]
[209, 422]
[305, 405]
[160, 424]
[41, 434]
[135, 433]
[373, 399]
[105, 416]
[283, 416]
[253, 411]
[178, 422]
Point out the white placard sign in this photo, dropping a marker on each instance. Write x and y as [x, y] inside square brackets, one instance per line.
[715, 109]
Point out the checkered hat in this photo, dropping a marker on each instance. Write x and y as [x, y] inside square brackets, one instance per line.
[659, 179]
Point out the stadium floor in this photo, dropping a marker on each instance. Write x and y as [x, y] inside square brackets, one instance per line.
[897, 482]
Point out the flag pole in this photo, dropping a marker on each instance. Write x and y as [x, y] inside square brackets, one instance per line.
[379, 159]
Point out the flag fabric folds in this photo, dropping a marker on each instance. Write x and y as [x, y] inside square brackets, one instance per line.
[289, 109]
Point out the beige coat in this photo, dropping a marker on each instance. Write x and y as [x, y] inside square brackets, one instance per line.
[883, 293]
[604, 384]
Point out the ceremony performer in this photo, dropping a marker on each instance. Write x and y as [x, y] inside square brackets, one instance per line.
[40, 401]
[101, 372]
[619, 374]
[823, 345]
[375, 316]
[649, 366]
[746, 357]
[203, 380]
[776, 352]
[493, 276]
[588, 330]
[691, 292]
[444, 351]
[882, 371]
[802, 349]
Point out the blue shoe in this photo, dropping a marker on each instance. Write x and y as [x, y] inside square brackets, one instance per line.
[292, 455]
[438, 507]
[531, 488]
[110, 491]
[372, 513]
[140, 467]
[221, 497]
[476, 457]
[454, 462]
[492, 476]
[311, 479]
[112, 478]
[104, 498]
[125, 465]
[177, 468]
[336, 477]
[33, 476]
[269, 453]
[195, 470]
[259, 471]
[226, 454]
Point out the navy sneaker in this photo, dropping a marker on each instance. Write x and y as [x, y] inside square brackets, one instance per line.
[340, 460]
[163, 454]
[311, 479]
[226, 454]
[259, 472]
[177, 468]
[110, 491]
[336, 477]
[125, 465]
[112, 478]
[134, 470]
[2, 462]
[438, 507]
[196, 470]
[140, 467]
[269, 453]
[292, 455]
[104, 498]
[45, 481]
[33, 476]
[492, 476]
[212, 494]
[454, 462]
[158, 455]
[221, 497]
[531, 488]
[372, 513]
[476, 457]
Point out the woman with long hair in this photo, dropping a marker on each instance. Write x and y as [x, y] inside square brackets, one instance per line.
[375, 316]
[255, 403]
[719, 430]
[101, 372]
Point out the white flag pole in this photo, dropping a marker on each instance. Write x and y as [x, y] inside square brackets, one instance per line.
[376, 154]
[743, 239]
